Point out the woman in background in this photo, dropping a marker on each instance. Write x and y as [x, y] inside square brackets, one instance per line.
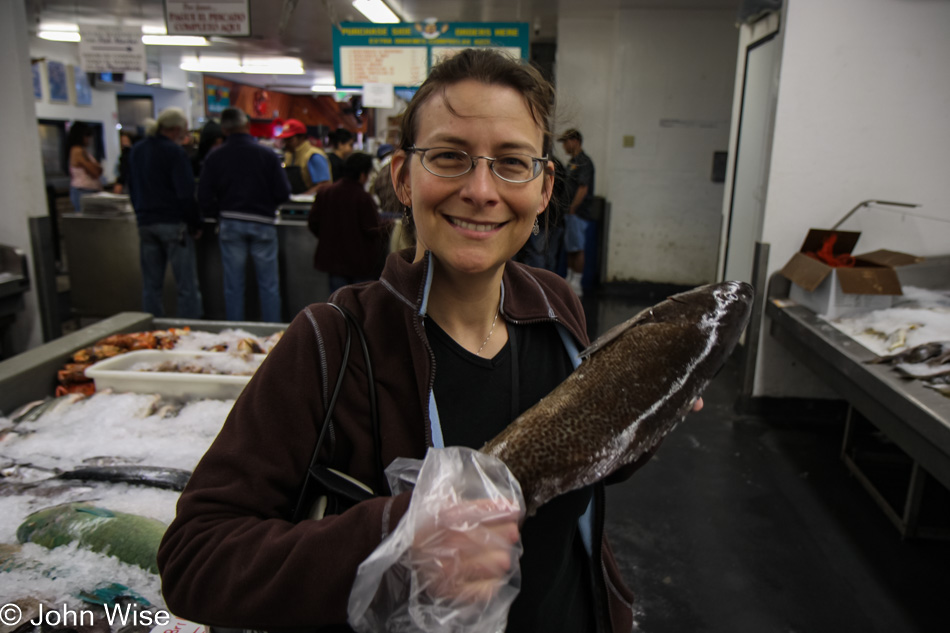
[84, 170]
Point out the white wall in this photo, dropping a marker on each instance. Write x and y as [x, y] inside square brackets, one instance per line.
[103, 108]
[666, 78]
[21, 168]
[863, 112]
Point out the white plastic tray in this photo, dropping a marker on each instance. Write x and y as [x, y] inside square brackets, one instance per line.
[116, 373]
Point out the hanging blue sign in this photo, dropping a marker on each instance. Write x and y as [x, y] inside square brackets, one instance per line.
[402, 54]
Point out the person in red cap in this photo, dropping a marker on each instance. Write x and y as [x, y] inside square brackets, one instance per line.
[307, 166]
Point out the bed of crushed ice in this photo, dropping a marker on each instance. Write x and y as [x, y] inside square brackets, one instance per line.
[919, 316]
[105, 429]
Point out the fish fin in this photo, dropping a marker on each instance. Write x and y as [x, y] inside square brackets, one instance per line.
[616, 331]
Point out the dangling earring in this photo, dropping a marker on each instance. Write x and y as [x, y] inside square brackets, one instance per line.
[407, 215]
[536, 229]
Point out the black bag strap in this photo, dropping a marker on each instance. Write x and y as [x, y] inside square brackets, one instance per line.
[317, 471]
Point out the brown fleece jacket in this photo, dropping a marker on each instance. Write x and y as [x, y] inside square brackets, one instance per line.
[232, 558]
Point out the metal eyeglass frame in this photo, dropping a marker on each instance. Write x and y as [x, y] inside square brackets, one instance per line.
[539, 161]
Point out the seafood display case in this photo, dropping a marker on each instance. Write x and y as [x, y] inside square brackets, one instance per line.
[90, 481]
[909, 436]
[102, 251]
[32, 375]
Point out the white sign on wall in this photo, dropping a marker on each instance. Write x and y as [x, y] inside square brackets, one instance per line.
[400, 66]
[377, 95]
[117, 49]
[217, 17]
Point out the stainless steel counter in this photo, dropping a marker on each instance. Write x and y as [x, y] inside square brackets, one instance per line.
[913, 417]
[102, 254]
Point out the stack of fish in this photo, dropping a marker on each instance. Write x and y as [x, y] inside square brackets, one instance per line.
[929, 363]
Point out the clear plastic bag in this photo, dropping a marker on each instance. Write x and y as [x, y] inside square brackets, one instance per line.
[452, 563]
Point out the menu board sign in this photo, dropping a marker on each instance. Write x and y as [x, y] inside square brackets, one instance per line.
[215, 17]
[402, 54]
[115, 49]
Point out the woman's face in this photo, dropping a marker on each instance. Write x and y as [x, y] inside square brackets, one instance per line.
[476, 222]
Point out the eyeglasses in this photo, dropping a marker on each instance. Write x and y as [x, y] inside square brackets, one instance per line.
[446, 162]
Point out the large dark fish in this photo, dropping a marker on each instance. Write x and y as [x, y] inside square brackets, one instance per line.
[153, 476]
[637, 382]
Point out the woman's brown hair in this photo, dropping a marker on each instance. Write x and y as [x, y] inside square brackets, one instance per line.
[491, 68]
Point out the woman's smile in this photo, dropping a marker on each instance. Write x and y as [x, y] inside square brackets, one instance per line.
[472, 226]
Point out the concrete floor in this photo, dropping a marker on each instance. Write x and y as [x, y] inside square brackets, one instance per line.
[742, 524]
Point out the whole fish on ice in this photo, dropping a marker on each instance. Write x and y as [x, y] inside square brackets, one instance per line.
[637, 382]
[153, 476]
[130, 538]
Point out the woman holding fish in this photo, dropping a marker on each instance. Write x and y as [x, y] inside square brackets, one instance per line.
[462, 340]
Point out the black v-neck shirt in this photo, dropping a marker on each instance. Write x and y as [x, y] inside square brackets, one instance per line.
[478, 397]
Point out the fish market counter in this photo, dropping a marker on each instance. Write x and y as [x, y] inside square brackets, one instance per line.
[32, 375]
[914, 418]
[102, 254]
[90, 479]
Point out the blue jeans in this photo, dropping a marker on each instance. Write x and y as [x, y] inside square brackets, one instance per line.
[542, 250]
[238, 238]
[75, 193]
[159, 245]
[575, 231]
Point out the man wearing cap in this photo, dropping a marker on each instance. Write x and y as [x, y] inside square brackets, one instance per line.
[307, 166]
[162, 192]
[242, 184]
[580, 191]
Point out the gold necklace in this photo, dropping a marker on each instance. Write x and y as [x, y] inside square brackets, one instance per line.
[478, 353]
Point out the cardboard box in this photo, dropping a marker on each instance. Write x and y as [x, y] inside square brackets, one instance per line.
[871, 284]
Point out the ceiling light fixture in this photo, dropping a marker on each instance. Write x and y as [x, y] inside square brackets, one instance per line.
[59, 26]
[211, 64]
[332, 89]
[258, 66]
[174, 40]
[376, 11]
[273, 65]
[59, 36]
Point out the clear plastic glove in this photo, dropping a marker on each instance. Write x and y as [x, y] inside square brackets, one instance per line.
[452, 563]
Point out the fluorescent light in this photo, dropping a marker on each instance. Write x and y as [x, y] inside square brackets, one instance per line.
[330, 89]
[376, 11]
[211, 64]
[255, 65]
[59, 26]
[153, 81]
[59, 36]
[273, 65]
[174, 40]
[154, 30]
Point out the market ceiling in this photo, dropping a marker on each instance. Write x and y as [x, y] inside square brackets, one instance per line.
[301, 28]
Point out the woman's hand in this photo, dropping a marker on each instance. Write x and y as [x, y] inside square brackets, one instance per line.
[698, 404]
[466, 553]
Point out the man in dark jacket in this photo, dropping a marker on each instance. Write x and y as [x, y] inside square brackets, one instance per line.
[348, 227]
[162, 190]
[242, 184]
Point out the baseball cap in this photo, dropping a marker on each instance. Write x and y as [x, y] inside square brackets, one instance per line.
[292, 127]
[570, 135]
